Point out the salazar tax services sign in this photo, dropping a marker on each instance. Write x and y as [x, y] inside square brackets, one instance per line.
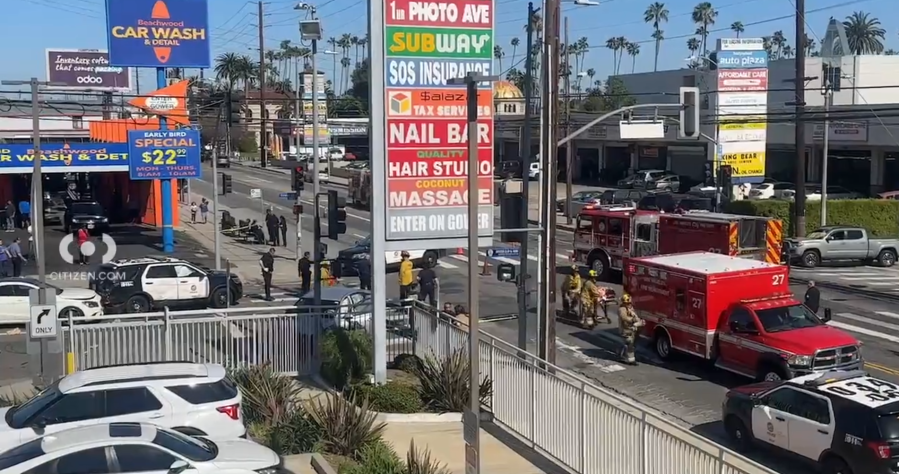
[156, 33]
[742, 59]
[164, 154]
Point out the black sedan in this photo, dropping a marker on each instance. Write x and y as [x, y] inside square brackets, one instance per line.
[87, 214]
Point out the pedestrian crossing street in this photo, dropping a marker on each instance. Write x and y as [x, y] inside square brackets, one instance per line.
[873, 278]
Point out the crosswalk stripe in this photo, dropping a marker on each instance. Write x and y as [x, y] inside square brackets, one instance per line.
[882, 283]
[461, 258]
[859, 278]
[867, 332]
[888, 314]
[873, 322]
[442, 264]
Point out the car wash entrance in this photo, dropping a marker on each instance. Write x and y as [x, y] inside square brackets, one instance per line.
[88, 172]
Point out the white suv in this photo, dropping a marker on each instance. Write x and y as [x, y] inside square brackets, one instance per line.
[195, 399]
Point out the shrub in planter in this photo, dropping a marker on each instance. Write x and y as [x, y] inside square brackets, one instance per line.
[346, 426]
[295, 434]
[420, 462]
[268, 397]
[445, 383]
[376, 458]
[15, 399]
[346, 357]
[391, 397]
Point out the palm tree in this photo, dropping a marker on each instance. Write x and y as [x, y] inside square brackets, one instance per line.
[354, 41]
[617, 46]
[704, 15]
[633, 50]
[363, 43]
[515, 42]
[498, 54]
[580, 49]
[864, 33]
[809, 45]
[226, 69]
[787, 52]
[890, 52]
[345, 64]
[693, 44]
[778, 42]
[737, 27]
[656, 14]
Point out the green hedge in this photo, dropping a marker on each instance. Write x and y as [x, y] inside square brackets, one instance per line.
[879, 216]
[392, 397]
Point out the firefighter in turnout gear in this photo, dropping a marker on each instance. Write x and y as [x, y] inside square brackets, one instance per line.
[571, 290]
[629, 325]
[592, 301]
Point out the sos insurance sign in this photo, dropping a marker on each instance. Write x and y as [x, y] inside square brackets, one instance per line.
[164, 154]
[428, 43]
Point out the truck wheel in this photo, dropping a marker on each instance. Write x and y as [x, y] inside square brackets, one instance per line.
[770, 373]
[887, 258]
[600, 264]
[663, 345]
[429, 260]
[810, 259]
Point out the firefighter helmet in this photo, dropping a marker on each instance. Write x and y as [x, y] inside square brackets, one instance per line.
[593, 274]
[625, 299]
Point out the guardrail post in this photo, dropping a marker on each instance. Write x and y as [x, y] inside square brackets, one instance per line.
[492, 373]
[582, 421]
[166, 334]
[644, 466]
[533, 427]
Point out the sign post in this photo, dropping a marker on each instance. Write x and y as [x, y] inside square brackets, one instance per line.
[159, 34]
[44, 344]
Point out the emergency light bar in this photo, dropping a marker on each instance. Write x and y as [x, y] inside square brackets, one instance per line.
[768, 298]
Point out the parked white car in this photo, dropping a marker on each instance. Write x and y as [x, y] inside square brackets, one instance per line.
[762, 191]
[16, 303]
[195, 399]
[136, 447]
[534, 170]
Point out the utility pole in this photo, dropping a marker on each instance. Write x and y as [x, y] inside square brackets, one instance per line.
[828, 97]
[547, 332]
[799, 218]
[525, 155]
[569, 148]
[263, 136]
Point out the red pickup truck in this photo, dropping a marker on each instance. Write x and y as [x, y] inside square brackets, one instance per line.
[736, 312]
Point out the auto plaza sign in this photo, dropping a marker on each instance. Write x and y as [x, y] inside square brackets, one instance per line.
[428, 43]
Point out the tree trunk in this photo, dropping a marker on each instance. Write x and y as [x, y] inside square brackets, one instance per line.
[655, 66]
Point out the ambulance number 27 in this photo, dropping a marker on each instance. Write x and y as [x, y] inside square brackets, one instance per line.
[777, 280]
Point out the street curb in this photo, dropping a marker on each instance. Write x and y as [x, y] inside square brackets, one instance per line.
[846, 289]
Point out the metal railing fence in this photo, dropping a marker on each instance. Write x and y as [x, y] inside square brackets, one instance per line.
[280, 336]
[579, 424]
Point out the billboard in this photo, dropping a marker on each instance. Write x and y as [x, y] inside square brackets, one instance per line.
[156, 33]
[164, 154]
[64, 157]
[427, 133]
[85, 69]
[742, 80]
[741, 44]
[742, 59]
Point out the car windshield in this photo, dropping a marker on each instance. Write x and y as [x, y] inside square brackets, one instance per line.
[786, 318]
[621, 195]
[818, 234]
[366, 242]
[88, 209]
[18, 415]
[21, 453]
[195, 449]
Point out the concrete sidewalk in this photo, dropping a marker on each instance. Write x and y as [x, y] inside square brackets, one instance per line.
[446, 444]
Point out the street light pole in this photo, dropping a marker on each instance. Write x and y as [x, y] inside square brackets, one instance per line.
[525, 164]
[471, 83]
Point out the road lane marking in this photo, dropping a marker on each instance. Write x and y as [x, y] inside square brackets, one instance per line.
[867, 332]
[873, 322]
[867, 278]
[577, 353]
[887, 314]
[442, 264]
[882, 368]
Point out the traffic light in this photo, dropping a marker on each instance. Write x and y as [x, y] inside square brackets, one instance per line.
[336, 215]
[689, 113]
[713, 61]
[232, 109]
[709, 179]
[226, 183]
[297, 179]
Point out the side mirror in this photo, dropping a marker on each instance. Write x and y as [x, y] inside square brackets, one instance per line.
[178, 467]
[828, 315]
[756, 401]
[38, 426]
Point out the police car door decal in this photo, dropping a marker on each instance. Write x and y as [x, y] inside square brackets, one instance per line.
[868, 391]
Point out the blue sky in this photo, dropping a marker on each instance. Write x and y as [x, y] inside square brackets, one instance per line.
[35, 25]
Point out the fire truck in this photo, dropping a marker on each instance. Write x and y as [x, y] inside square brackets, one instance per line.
[736, 312]
[604, 236]
[359, 189]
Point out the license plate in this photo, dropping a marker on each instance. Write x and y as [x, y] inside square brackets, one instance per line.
[90, 226]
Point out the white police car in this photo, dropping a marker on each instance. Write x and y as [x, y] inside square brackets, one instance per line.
[151, 283]
[846, 422]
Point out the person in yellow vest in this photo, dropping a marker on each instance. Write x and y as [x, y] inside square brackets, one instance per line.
[406, 278]
[571, 290]
[327, 278]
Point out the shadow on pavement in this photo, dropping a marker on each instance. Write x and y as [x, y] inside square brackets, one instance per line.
[715, 431]
[515, 443]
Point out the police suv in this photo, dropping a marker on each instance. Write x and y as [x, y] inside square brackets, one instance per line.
[151, 283]
[846, 422]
